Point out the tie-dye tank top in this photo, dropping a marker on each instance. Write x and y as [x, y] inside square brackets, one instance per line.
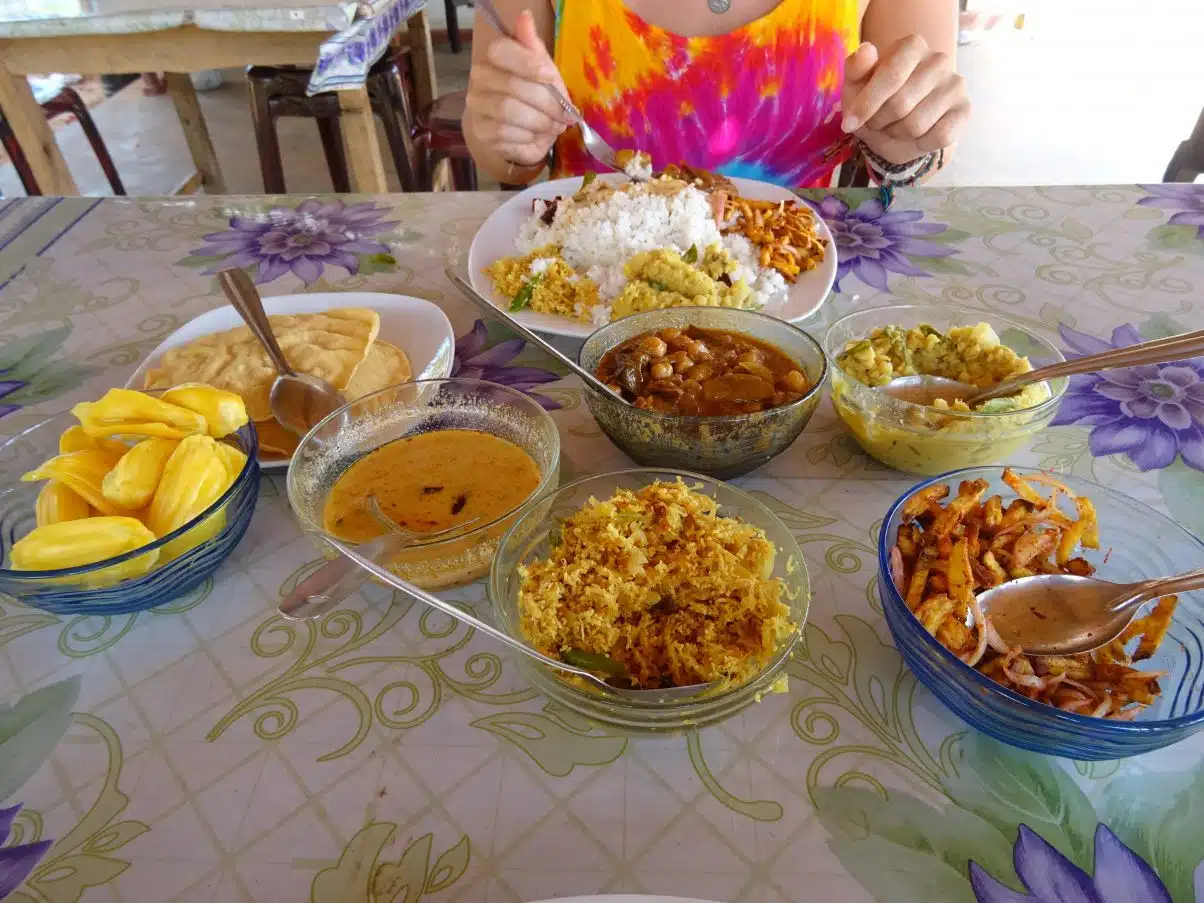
[759, 102]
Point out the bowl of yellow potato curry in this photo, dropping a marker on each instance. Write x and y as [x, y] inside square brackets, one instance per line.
[455, 457]
[871, 347]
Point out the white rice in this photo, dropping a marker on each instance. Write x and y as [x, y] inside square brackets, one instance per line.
[598, 238]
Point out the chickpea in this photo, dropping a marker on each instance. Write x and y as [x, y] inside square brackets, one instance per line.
[670, 334]
[681, 342]
[653, 345]
[661, 370]
[795, 381]
[698, 350]
[752, 356]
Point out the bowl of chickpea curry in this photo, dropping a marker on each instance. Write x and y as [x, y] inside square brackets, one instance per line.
[715, 390]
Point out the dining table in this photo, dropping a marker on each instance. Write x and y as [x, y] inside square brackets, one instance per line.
[208, 750]
[338, 39]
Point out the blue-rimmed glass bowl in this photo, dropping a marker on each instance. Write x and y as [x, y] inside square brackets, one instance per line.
[67, 591]
[1137, 543]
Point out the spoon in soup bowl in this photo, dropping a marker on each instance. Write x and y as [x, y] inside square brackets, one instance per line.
[924, 390]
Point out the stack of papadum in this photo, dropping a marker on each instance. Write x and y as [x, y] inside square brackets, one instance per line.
[340, 346]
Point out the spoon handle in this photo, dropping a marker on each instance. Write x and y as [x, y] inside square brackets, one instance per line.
[1164, 586]
[1159, 351]
[490, 13]
[327, 587]
[488, 308]
[447, 608]
[244, 298]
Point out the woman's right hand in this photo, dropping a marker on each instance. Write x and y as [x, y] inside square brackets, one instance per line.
[512, 111]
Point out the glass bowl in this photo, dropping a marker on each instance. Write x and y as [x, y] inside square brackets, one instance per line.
[79, 590]
[1136, 543]
[531, 538]
[722, 447]
[914, 439]
[418, 407]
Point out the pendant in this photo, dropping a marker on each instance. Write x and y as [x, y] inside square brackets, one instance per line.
[719, 7]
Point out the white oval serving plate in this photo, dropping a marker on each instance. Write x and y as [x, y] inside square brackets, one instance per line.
[417, 327]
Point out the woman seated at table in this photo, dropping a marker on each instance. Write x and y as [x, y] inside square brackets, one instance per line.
[757, 89]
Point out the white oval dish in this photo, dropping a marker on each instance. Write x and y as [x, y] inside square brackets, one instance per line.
[495, 239]
[417, 327]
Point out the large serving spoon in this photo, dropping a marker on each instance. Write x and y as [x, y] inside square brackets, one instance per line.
[594, 144]
[492, 310]
[327, 587]
[299, 401]
[1061, 614]
[924, 390]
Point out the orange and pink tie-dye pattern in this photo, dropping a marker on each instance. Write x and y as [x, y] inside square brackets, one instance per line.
[759, 102]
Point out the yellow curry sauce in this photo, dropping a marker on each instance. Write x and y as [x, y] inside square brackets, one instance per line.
[431, 482]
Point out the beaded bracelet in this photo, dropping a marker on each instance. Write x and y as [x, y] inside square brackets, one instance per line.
[901, 175]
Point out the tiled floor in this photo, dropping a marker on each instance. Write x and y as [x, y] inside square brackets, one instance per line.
[1083, 95]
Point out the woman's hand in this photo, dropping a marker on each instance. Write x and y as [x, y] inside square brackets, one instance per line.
[510, 108]
[906, 102]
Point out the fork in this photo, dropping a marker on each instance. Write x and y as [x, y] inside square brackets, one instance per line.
[595, 145]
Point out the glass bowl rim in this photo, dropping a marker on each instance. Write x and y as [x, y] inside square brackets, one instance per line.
[249, 466]
[981, 681]
[475, 532]
[720, 419]
[1058, 386]
[781, 655]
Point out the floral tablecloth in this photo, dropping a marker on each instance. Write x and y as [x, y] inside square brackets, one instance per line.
[208, 751]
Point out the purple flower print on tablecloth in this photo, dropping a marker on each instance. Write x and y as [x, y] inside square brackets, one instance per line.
[1152, 414]
[1121, 876]
[476, 361]
[303, 240]
[18, 860]
[872, 242]
[1186, 200]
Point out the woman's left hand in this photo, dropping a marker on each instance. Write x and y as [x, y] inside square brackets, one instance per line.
[904, 103]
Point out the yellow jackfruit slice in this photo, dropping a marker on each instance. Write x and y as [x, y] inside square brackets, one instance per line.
[223, 411]
[124, 412]
[133, 480]
[58, 503]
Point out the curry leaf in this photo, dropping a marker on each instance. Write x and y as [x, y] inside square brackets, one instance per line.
[523, 297]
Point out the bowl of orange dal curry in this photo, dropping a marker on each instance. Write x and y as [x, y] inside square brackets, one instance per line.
[458, 455]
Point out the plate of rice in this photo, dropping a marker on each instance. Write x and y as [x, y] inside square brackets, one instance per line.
[567, 256]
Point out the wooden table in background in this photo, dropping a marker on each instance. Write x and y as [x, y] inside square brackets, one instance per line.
[111, 37]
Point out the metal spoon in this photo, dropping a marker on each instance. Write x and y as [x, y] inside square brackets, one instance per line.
[489, 309]
[924, 390]
[1061, 614]
[327, 587]
[448, 609]
[597, 148]
[299, 401]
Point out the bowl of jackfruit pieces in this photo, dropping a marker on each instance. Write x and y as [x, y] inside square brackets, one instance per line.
[128, 502]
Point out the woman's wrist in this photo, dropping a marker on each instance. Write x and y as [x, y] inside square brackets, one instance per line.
[906, 174]
[492, 162]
